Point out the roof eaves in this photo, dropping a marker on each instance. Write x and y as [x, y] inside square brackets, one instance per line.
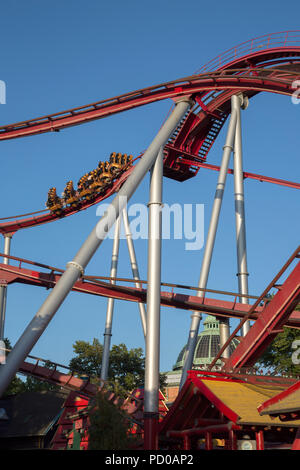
[263, 408]
[217, 402]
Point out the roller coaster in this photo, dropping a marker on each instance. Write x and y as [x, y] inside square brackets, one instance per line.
[202, 104]
[90, 185]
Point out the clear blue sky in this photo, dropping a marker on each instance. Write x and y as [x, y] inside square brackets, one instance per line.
[62, 54]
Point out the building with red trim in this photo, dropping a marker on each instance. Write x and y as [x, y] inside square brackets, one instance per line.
[220, 411]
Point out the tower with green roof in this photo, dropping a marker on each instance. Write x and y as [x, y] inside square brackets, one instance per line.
[208, 345]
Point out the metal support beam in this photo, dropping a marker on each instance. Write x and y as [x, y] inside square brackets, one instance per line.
[232, 440]
[3, 288]
[208, 441]
[190, 161]
[151, 394]
[196, 317]
[224, 330]
[134, 266]
[259, 436]
[110, 302]
[239, 199]
[296, 443]
[76, 268]
[261, 325]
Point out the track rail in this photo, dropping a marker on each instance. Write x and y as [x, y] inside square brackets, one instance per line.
[11, 226]
[269, 64]
[270, 321]
[275, 81]
[94, 286]
[268, 324]
[196, 134]
[285, 40]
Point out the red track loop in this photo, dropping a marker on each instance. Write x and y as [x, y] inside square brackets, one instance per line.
[270, 64]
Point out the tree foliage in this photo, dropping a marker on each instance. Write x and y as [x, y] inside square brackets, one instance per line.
[278, 356]
[126, 367]
[30, 384]
[87, 358]
[109, 426]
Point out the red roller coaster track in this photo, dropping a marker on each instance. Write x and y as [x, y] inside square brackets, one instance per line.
[270, 63]
[96, 286]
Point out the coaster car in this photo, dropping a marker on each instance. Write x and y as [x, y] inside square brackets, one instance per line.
[70, 195]
[83, 185]
[115, 161]
[54, 203]
[87, 190]
[105, 175]
[127, 159]
[90, 184]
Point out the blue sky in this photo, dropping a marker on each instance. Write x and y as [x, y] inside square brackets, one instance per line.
[68, 53]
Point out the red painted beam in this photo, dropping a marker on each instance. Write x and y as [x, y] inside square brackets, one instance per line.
[270, 320]
[279, 397]
[246, 174]
[11, 274]
[76, 384]
[296, 443]
[219, 428]
[53, 376]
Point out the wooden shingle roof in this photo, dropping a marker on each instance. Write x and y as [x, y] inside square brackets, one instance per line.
[244, 399]
[213, 399]
[285, 403]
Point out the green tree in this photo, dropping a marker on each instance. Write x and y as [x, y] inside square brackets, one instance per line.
[31, 384]
[88, 357]
[278, 356]
[126, 366]
[109, 426]
[16, 385]
[36, 385]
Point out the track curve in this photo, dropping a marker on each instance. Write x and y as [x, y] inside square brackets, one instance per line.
[12, 226]
[271, 64]
[268, 80]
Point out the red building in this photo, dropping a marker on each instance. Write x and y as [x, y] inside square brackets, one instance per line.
[218, 411]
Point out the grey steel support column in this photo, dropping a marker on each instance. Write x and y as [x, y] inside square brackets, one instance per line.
[134, 266]
[110, 302]
[76, 267]
[208, 251]
[224, 330]
[239, 200]
[3, 288]
[151, 387]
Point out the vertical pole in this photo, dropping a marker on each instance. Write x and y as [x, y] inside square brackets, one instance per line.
[134, 266]
[260, 440]
[153, 307]
[193, 334]
[208, 441]
[3, 288]
[242, 270]
[186, 442]
[224, 335]
[232, 440]
[110, 302]
[76, 267]
[296, 443]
